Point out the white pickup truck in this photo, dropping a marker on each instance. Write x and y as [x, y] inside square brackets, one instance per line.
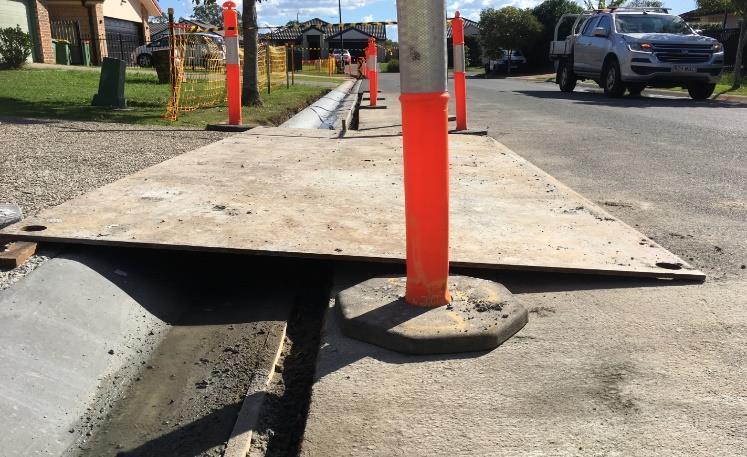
[635, 48]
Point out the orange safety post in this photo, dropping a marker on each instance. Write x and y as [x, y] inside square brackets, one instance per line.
[460, 80]
[373, 72]
[233, 69]
[425, 126]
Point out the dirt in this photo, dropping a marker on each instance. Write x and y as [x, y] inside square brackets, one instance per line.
[283, 414]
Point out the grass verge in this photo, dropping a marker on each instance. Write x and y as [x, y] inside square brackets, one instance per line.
[60, 94]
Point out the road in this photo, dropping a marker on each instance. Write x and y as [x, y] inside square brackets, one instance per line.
[672, 167]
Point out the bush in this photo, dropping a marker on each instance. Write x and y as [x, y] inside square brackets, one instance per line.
[392, 66]
[15, 46]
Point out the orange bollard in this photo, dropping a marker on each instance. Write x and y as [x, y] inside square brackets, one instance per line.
[424, 102]
[460, 80]
[373, 72]
[233, 69]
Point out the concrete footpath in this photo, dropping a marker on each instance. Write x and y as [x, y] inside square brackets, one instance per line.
[605, 366]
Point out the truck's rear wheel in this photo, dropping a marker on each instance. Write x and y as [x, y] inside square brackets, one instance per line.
[636, 89]
[565, 78]
[612, 79]
[701, 91]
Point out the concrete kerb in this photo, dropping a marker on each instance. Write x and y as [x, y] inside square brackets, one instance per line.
[349, 107]
[325, 112]
[481, 316]
[75, 323]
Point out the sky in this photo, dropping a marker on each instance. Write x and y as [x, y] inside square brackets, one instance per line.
[279, 12]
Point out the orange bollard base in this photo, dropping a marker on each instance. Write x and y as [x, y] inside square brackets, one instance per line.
[481, 316]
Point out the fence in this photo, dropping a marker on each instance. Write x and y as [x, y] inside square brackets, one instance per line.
[272, 65]
[730, 39]
[196, 70]
[328, 65]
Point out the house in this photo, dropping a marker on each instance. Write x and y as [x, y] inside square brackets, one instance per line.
[316, 37]
[472, 45]
[701, 16]
[108, 27]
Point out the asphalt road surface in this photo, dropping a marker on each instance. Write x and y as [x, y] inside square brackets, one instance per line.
[672, 167]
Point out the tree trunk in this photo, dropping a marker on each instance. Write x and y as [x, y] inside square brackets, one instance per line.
[739, 58]
[250, 87]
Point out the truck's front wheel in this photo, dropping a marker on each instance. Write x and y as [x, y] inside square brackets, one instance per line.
[613, 84]
[565, 78]
[701, 91]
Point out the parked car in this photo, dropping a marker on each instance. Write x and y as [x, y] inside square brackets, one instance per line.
[501, 64]
[342, 57]
[143, 55]
[635, 48]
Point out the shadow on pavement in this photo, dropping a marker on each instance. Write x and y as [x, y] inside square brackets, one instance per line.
[598, 98]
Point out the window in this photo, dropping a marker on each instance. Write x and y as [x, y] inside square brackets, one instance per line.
[651, 23]
[605, 23]
[589, 27]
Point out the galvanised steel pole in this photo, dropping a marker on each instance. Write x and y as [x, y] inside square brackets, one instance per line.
[424, 101]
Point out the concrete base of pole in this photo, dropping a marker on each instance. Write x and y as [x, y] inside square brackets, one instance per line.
[230, 128]
[478, 132]
[372, 107]
[481, 316]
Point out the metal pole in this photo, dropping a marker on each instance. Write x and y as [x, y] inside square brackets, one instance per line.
[342, 38]
[287, 76]
[293, 65]
[424, 101]
[267, 64]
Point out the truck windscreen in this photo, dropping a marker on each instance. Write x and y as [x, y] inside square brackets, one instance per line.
[649, 23]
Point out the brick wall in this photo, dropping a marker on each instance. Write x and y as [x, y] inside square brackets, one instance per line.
[44, 50]
[97, 14]
[71, 13]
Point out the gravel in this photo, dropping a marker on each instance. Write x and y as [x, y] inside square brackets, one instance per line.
[47, 162]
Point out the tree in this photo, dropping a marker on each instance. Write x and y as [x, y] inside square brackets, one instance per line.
[602, 4]
[250, 78]
[738, 7]
[548, 14]
[212, 13]
[507, 28]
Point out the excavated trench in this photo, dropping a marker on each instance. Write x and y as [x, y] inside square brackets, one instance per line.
[183, 398]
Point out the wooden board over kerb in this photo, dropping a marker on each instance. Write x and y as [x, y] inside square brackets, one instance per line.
[308, 193]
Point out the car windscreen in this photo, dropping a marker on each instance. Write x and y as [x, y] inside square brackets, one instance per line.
[650, 23]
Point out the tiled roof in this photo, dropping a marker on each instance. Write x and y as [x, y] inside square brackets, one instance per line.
[374, 29]
[471, 28]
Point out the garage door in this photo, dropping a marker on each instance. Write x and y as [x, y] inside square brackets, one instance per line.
[122, 37]
[14, 12]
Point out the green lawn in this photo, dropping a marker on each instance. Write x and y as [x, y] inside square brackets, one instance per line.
[311, 71]
[326, 79]
[63, 94]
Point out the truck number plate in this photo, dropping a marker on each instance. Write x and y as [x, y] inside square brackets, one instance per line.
[683, 69]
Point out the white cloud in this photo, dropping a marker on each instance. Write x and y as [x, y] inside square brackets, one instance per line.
[368, 18]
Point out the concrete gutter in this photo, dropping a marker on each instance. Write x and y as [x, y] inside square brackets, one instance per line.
[72, 335]
[327, 112]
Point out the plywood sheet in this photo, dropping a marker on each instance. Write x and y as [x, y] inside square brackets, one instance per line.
[309, 193]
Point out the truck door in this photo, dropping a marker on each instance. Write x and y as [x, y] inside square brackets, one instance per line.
[599, 45]
[581, 47]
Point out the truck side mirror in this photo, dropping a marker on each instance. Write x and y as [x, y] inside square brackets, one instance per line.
[601, 32]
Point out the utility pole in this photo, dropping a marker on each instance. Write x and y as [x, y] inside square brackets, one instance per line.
[342, 39]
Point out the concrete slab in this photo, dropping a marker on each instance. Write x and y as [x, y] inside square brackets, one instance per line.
[309, 193]
[604, 367]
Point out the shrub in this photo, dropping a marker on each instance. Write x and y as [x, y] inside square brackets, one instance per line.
[15, 46]
[392, 66]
